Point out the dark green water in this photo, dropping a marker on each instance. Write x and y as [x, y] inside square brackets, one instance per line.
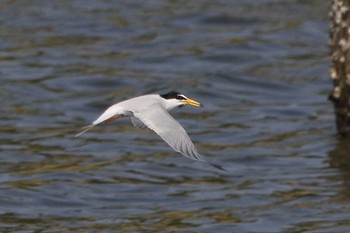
[259, 67]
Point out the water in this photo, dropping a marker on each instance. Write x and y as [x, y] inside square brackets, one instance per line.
[261, 70]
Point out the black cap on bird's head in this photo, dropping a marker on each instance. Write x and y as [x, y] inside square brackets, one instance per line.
[172, 95]
[181, 97]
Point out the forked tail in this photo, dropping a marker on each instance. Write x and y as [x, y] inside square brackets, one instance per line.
[86, 128]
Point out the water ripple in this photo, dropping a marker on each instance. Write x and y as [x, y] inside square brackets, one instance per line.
[260, 69]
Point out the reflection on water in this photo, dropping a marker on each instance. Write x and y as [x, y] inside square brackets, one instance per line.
[339, 159]
[261, 70]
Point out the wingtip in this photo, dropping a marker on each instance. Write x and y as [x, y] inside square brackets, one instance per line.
[200, 158]
[218, 167]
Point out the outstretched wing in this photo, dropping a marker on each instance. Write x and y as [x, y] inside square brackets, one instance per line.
[161, 122]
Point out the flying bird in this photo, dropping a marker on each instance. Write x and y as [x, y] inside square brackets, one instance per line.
[152, 111]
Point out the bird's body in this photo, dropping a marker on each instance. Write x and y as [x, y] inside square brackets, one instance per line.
[134, 105]
[151, 111]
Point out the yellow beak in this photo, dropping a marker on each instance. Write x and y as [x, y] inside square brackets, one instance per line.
[192, 102]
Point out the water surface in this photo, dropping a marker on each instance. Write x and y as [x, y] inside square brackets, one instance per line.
[260, 69]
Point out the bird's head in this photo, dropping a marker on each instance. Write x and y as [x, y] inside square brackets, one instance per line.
[175, 99]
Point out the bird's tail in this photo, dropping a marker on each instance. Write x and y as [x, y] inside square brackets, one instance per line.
[86, 128]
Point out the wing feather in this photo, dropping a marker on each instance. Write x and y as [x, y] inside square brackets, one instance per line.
[138, 123]
[161, 122]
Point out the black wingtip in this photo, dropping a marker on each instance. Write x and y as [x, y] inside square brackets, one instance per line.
[218, 167]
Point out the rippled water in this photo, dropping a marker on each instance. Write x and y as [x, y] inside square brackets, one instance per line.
[259, 67]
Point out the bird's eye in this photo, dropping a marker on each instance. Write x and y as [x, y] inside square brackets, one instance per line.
[180, 97]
